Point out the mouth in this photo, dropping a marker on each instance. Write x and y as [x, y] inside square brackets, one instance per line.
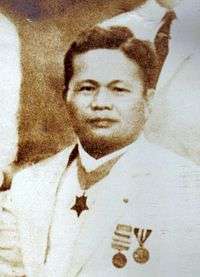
[102, 122]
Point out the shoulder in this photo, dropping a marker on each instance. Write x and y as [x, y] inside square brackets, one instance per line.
[173, 161]
[158, 159]
[38, 180]
[52, 162]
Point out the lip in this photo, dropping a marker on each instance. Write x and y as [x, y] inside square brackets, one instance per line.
[102, 122]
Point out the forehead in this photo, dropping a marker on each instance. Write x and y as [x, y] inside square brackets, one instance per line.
[105, 65]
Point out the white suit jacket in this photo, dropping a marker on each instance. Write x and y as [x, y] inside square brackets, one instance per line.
[163, 192]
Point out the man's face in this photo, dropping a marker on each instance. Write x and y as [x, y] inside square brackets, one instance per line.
[105, 98]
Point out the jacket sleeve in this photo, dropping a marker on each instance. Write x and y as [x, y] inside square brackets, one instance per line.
[11, 263]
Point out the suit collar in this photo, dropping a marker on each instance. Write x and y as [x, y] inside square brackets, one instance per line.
[91, 163]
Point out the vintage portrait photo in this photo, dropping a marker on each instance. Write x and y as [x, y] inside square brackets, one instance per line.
[99, 138]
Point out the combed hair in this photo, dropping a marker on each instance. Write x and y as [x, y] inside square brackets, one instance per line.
[116, 37]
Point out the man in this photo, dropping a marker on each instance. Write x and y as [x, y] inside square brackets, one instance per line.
[113, 204]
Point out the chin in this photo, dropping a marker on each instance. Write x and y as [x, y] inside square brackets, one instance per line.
[96, 137]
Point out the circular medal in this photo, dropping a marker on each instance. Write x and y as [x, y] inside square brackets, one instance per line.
[119, 260]
[141, 255]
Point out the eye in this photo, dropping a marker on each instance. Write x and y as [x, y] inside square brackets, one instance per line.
[120, 89]
[86, 88]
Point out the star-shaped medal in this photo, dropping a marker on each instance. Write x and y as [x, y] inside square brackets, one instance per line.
[80, 204]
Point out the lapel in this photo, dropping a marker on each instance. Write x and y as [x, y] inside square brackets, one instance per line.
[33, 195]
[109, 207]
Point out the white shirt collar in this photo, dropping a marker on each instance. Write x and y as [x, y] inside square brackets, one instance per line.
[91, 163]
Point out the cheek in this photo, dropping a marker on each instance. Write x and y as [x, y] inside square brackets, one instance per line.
[79, 101]
[77, 108]
[132, 110]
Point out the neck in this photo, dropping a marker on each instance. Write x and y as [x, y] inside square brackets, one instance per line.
[99, 149]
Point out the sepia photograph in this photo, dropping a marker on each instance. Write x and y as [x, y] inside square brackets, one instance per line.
[99, 138]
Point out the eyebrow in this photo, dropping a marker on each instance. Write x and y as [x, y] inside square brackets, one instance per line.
[93, 82]
[114, 82]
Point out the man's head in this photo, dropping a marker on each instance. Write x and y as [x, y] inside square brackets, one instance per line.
[108, 77]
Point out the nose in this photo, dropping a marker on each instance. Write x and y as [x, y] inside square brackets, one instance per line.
[102, 100]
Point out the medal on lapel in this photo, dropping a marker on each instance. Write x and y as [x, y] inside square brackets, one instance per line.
[88, 179]
[80, 204]
[121, 241]
[141, 254]
[80, 201]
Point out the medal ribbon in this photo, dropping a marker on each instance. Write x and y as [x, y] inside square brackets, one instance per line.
[121, 239]
[142, 235]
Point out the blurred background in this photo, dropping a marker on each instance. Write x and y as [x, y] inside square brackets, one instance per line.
[43, 9]
[44, 29]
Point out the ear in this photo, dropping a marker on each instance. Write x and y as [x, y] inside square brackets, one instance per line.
[68, 95]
